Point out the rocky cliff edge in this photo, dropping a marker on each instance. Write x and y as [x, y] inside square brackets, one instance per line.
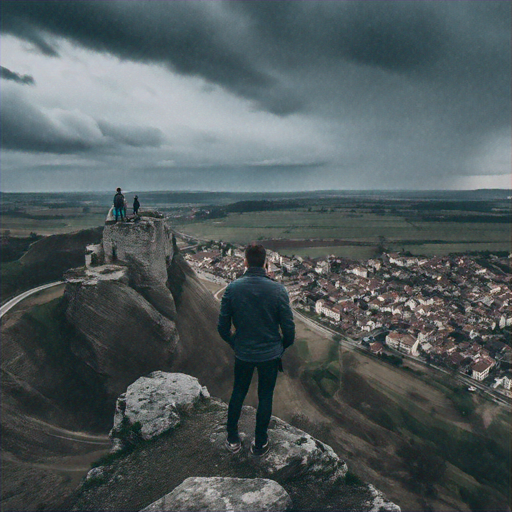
[169, 455]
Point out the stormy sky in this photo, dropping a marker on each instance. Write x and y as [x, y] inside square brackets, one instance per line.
[261, 95]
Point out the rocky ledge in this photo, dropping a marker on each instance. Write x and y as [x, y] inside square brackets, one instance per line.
[169, 454]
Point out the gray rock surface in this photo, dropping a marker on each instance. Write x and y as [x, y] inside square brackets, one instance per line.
[379, 503]
[218, 494]
[295, 452]
[154, 403]
[309, 470]
[145, 247]
[93, 473]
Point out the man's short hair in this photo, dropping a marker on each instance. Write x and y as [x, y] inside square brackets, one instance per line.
[255, 255]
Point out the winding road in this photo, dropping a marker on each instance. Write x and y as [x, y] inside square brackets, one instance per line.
[11, 303]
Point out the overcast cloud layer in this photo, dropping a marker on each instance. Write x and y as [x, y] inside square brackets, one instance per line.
[255, 95]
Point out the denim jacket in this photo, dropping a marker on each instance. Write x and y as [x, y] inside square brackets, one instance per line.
[258, 307]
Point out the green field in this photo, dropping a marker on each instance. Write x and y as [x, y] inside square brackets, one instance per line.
[352, 226]
[351, 235]
[44, 221]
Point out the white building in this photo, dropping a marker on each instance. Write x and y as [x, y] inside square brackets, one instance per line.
[403, 342]
[393, 340]
[359, 271]
[482, 368]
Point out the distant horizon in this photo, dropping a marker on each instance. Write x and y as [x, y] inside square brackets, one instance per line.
[204, 191]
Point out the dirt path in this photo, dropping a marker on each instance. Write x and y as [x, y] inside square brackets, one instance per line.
[72, 435]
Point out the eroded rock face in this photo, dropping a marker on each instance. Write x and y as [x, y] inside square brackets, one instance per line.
[217, 494]
[123, 308]
[145, 247]
[124, 335]
[146, 243]
[154, 403]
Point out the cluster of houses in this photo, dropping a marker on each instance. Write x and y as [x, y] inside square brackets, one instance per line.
[449, 310]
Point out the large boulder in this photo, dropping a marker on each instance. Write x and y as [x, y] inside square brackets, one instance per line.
[309, 470]
[152, 406]
[216, 494]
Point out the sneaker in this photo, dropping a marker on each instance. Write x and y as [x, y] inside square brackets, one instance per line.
[258, 451]
[234, 447]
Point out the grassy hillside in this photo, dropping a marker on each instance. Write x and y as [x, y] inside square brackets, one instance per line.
[46, 260]
[428, 443]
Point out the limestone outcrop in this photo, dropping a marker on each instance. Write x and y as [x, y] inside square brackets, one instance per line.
[123, 335]
[218, 494]
[124, 303]
[145, 247]
[154, 402]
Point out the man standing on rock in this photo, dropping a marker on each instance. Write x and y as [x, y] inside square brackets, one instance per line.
[259, 309]
[119, 205]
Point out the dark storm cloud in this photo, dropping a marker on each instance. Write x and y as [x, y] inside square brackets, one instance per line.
[7, 74]
[174, 33]
[397, 90]
[28, 128]
[204, 38]
[397, 37]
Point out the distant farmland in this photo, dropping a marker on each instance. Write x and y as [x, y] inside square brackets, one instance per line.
[355, 225]
[354, 235]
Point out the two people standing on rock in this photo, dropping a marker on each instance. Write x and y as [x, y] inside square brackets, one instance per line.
[259, 309]
[121, 206]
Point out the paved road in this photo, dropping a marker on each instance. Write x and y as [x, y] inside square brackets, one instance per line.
[8, 305]
[219, 292]
[494, 395]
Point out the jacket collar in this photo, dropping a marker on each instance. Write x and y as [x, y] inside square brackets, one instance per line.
[256, 271]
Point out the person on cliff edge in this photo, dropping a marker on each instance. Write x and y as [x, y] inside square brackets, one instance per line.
[136, 205]
[259, 309]
[119, 205]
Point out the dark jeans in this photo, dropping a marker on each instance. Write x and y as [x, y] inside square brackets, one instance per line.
[120, 212]
[267, 375]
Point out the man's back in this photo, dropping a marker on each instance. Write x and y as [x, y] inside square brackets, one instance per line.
[258, 307]
[119, 200]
